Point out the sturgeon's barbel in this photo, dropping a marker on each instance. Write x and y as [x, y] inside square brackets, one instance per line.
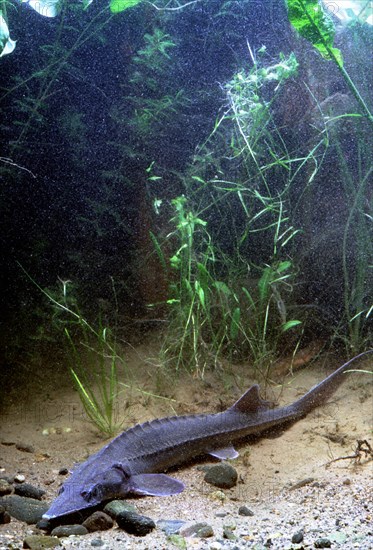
[130, 463]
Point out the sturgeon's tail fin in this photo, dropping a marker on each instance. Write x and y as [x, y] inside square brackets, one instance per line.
[322, 391]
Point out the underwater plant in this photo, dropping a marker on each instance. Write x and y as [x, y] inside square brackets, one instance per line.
[310, 20]
[213, 312]
[313, 22]
[92, 355]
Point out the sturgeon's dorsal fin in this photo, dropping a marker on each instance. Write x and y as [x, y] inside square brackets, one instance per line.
[250, 402]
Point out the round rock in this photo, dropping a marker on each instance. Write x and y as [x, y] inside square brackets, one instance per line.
[201, 530]
[135, 524]
[25, 447]
[297, 537]
[115, 507]
[28, 490]
[25, 509]
[4, 516]
[245, 511]
[67, 530]
[98, 521]
[5, 487]
[222, 475]
[39, 542]
[323, 543]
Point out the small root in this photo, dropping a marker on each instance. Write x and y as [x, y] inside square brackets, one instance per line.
[362, 450]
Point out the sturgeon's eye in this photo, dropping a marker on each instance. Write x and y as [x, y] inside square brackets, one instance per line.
[95, 493]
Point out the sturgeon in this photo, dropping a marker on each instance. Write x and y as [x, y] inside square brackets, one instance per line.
[133, 462]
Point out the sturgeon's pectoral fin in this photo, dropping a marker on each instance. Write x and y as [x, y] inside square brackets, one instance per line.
[155, 485]
[223, 454]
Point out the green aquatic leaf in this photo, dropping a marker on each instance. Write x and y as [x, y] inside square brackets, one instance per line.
[311, 21]
[235, 323]
[290, 324]
[116, 6]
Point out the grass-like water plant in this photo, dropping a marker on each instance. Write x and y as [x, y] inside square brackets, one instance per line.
[214, 314]
[92, 356]
[311, 21]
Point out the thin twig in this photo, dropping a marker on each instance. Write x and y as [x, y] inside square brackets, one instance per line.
[362, 448]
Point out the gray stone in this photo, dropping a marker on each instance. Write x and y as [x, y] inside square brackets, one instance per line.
[25, 509]
[228, 534]
[135, 524]
[4, 516]
[323, 543]
[5, 487]
[222, 475]
[201, 529]
[25, 447]
[98, 521]
[40, 542]
[170, 526]
[28, 490]
[19, 478]
[97, 542]
[297, 537]
[114, 507]
[67, 530]
[245, 511]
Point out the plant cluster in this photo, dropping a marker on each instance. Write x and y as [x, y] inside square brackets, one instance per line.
[241, 197]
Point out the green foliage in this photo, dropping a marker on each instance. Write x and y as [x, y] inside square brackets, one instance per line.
[151, 114]
[214, 314]
[190, 300]
[358, 233]
[311, 20]
[266, 314]
[151, 64]
[211, 318]
[156, 47]
[92, 356]
[117, 6]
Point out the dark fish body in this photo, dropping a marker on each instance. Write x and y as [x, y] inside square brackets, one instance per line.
[131, 462]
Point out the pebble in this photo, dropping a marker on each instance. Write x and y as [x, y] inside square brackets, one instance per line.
[4, 516]
[245, 511]
[228, 534]
[25, 509]
[297, 537]
[25, 447]
[67, 530]
[115, 507]
[5, 487]
[97, 542]
[19, 478]
[135, 524]
[301, 483]
[201, 530]
[222, 475]
[323, 543]
[39, 542]
[170, 526]
[98, 521]
[178, 541]
[28, 490]
[63, 472]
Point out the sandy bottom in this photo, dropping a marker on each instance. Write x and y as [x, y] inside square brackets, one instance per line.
[337, 504]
